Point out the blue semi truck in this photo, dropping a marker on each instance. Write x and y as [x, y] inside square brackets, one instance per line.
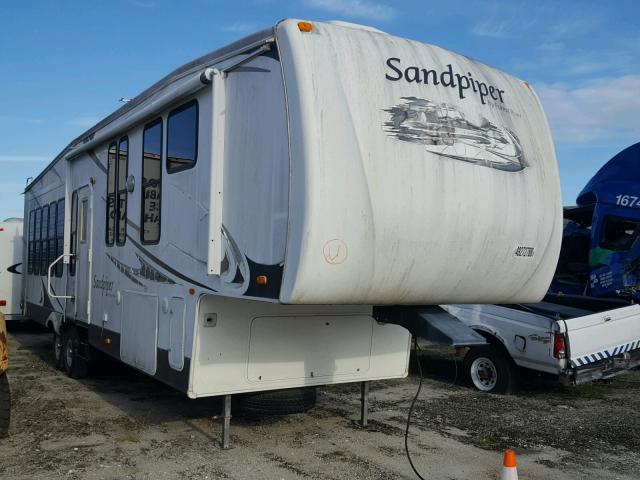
[600, 255]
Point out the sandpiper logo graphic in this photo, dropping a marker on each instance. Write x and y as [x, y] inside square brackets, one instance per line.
[465, 84]
[445, 131]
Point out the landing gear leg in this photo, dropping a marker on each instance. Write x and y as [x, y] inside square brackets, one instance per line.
[226, 425]
[364, 404]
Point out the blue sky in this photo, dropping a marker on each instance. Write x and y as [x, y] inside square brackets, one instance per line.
[65, 64]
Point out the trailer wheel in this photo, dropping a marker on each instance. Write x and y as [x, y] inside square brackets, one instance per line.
[58, 348]
[75, 360]
[489, 370]
[277, 402]
[5, 405]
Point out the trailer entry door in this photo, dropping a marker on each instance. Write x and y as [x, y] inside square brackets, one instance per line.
[82, 259]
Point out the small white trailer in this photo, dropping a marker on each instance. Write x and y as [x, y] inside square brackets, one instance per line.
[231, 228]
[11, 304]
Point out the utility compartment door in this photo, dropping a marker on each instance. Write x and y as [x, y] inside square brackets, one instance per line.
[139, 334]
[176, 333]
[593, 338]
[326, 346]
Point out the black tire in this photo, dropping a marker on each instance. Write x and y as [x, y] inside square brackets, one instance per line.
[277, 402]
[75, 357]
[57, 350]
[489, 370]
[5, 405]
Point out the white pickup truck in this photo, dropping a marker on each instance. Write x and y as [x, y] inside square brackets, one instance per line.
[576, 344]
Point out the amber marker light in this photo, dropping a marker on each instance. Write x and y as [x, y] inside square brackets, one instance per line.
[261, 279]
[192, 291]
[305, 26]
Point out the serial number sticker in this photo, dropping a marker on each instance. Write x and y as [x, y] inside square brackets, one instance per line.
[522, 251]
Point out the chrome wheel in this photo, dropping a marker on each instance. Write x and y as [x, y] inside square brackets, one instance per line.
[57, 347]
[69, 353]
[484, 374]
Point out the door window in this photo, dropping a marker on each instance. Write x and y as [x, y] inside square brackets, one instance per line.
[84, 209]
[619, 233]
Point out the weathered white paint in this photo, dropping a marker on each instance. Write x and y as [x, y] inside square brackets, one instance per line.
[413, 226]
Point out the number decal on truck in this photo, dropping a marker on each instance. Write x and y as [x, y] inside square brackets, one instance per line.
[628, 201]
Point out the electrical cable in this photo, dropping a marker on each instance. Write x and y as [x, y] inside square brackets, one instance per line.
[413, 402]
[455, 363]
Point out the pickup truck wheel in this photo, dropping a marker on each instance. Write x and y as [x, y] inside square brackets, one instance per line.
[5, 405]
[58, 348]
[489, 370]
[74, 355]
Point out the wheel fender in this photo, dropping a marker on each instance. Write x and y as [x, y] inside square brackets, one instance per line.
[54, 322]
[494, 340]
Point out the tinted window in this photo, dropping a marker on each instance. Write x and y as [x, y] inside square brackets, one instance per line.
[111, 195]
[31, 246]
[182, 137]
[59, 236]
[74, 233]
[123, 170]
[151, 182]
[44, 248]
[36, 242]
[619, 233]
[51, 235]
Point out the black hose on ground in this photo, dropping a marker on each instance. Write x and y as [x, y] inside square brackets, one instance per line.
[413, 402]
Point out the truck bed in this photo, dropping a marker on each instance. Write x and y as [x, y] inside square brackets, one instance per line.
[599, 342]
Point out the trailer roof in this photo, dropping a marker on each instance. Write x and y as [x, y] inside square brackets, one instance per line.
[187, 68]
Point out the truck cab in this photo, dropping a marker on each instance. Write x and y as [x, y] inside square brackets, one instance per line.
[600, 254]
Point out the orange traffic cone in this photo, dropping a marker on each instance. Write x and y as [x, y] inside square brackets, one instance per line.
[509, 470]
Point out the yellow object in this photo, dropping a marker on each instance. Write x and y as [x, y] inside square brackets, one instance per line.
[4, 351]
[305, 26]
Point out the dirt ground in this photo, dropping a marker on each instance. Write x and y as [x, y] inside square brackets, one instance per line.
[119, 424]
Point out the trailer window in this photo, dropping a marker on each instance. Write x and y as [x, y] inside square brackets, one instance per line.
[44, 248]
[51, 233]
[30, 248]
[151, 182]
[182, 137]
[74, 233]
[123, 171]
[59, 235]
[110, 234]
[36, 242]
[619, 233]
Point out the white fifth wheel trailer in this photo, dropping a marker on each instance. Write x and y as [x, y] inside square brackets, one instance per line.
[232, 228]
[11, 254]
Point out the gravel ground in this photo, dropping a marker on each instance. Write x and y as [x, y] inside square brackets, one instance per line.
[120, 424]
